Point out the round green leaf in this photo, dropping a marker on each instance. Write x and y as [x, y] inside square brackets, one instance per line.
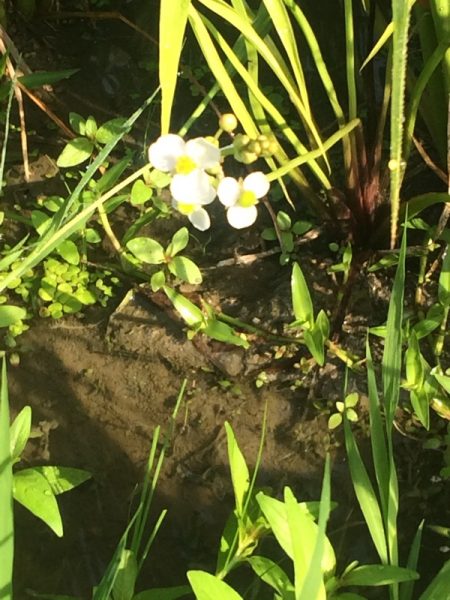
[69, 252]
[140, 193]
[147, 250]
[75, 152]
[185, 269]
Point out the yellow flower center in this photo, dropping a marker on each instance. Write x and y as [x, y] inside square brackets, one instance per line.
[248, 198]
[185, 165]
[185, 209]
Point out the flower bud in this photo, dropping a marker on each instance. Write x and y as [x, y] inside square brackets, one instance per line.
[228, 122]
[255, 147]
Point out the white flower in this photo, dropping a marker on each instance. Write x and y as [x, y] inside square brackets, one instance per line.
[190, 186]
[170, 153]
[196, 214]
[241, 197]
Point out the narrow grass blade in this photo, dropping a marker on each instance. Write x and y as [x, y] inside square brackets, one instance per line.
[392, 355]
[245, 26]
[261, 100]
[377, 435]
[401, 13]
[285, 32]
[407, 588]
[314, 578]
[365, 493]
[217, 67]
[172, 25]
[440, 586]
[6, 498]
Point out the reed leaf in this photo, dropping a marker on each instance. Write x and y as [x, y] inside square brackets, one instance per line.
[6, 497]
[172, 25]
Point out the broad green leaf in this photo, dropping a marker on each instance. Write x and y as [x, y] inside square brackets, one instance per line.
[20, 432]
[164, 593]
[275, 514]
[127, 573]
[75, 152]
[272, 574]
[172, 24]
[303, 533]
[6, 485]
[147, 250]
[316, 337]
[185, 269]
[440, 586]
[301, 299]
[69, 252]
[36, 80]
[189, 312]
[239, 471]
[11, 314]
[373, 575]
[444, 280]
[32, 490]
[208, 587]
[220, 331]
[110, 130]
[179, 242]
[63, 479]
[140, 193]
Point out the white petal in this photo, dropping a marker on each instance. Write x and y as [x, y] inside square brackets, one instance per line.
[240, 217]
[194, 188]
[203, 153]
[163, 154]
[257, 183]
[229, 191]
[200, 219]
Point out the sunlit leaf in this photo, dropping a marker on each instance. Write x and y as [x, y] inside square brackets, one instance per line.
[32, 490]
[20, 432]
[69, 252]
[75, 152]
[185, 269]
[63, 479]
[208, 587]
[11, 314]
[147, 250]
